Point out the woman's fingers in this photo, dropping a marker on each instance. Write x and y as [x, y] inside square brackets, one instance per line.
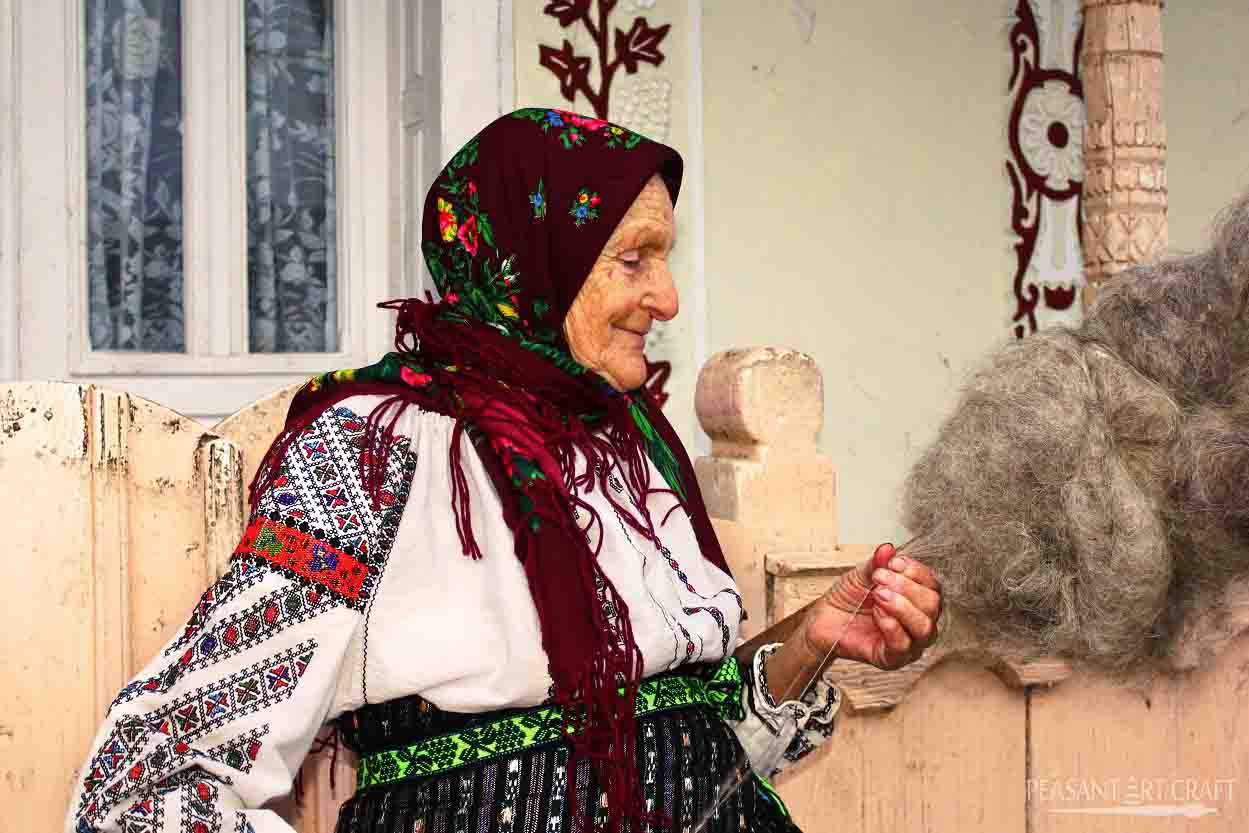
[922, 596]
[897, 642]
[915, 571]
[912, 604]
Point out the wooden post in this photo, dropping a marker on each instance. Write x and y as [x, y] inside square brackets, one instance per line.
[1124, 216]
[766, 485]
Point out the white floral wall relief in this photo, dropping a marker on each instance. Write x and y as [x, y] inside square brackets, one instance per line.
[645, 105]
[1046, 163]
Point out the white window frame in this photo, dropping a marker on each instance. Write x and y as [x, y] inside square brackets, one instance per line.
[382, 175]
[10, 205]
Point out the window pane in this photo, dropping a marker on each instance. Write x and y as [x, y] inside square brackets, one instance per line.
[291, 243]
[134, 175]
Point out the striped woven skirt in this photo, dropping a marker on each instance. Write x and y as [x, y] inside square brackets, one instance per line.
[424, 770]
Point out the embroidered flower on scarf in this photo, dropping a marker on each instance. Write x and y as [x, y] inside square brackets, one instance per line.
[416, 380]
[538, 200]
[446, 220]
[573, 128]
[620, 137]
[584, 207]
[468, 235]
[588, 124]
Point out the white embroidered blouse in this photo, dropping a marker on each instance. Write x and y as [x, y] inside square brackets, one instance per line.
[329, 605]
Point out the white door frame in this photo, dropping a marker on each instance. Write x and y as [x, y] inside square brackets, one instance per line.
[478, 69]
[9, 203]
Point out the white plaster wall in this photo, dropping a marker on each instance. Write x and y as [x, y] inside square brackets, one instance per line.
[1206, 106]
[857, 209]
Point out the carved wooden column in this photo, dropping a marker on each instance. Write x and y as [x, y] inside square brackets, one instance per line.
[1125, 185]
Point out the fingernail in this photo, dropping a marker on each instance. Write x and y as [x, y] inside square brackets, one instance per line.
[897, 564]
[884, 592]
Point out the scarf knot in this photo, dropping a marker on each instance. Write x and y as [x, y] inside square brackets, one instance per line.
[414, 319]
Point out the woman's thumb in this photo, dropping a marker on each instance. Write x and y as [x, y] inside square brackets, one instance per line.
[880, 558]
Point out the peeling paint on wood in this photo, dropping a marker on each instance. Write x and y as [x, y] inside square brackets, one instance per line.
[75, 452]
[223, 502]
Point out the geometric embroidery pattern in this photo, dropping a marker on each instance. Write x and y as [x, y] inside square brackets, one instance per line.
[240, 753]
[232, 635]
[316, 527]
[307, 558]
[676, 568]
[241, 575]
[718, 615]
[147, 815]
[319, 484]
[316, 524]
[822, 701]
[199, 808]
[181, 722]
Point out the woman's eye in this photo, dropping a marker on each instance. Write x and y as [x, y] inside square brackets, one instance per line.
[630, 260]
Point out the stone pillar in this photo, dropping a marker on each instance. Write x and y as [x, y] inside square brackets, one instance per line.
[1124, 217]
[767, 487]
[763, 408]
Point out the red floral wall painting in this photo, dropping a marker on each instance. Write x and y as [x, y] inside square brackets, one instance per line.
[1046, 163]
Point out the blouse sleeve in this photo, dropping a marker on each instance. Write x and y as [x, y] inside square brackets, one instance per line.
[804, 723]
[220, 720]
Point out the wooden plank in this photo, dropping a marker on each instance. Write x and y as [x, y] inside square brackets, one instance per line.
[221, 461]
[254, 428]
[107, 417]
[58, 591]
[169, 563]
[111, 497]
[951, 758]
[1182, 739]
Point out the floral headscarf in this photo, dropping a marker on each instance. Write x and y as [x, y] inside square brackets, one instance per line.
[512, 226]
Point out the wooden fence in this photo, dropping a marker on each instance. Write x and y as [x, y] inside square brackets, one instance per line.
[122, 511]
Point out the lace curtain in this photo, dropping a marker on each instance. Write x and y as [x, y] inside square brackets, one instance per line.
[134, 175]
[292, 256]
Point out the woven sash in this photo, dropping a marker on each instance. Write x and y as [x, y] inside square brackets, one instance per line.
[507, 735]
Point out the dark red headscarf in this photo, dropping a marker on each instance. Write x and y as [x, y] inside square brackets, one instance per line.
[512, 226]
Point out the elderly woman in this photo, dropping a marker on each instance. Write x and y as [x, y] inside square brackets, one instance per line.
[487, 559]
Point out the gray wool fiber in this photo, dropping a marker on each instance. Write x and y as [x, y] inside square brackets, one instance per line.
[1089, 491]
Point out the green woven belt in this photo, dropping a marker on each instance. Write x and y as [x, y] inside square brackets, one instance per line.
[540, 725]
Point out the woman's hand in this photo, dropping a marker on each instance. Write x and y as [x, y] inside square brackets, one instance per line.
[896, 622]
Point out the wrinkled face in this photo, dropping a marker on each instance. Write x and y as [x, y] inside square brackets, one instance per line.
[629, 287]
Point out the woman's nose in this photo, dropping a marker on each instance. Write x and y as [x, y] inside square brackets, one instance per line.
[663, 301]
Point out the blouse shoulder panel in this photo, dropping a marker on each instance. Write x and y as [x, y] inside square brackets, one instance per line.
[317, 523]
